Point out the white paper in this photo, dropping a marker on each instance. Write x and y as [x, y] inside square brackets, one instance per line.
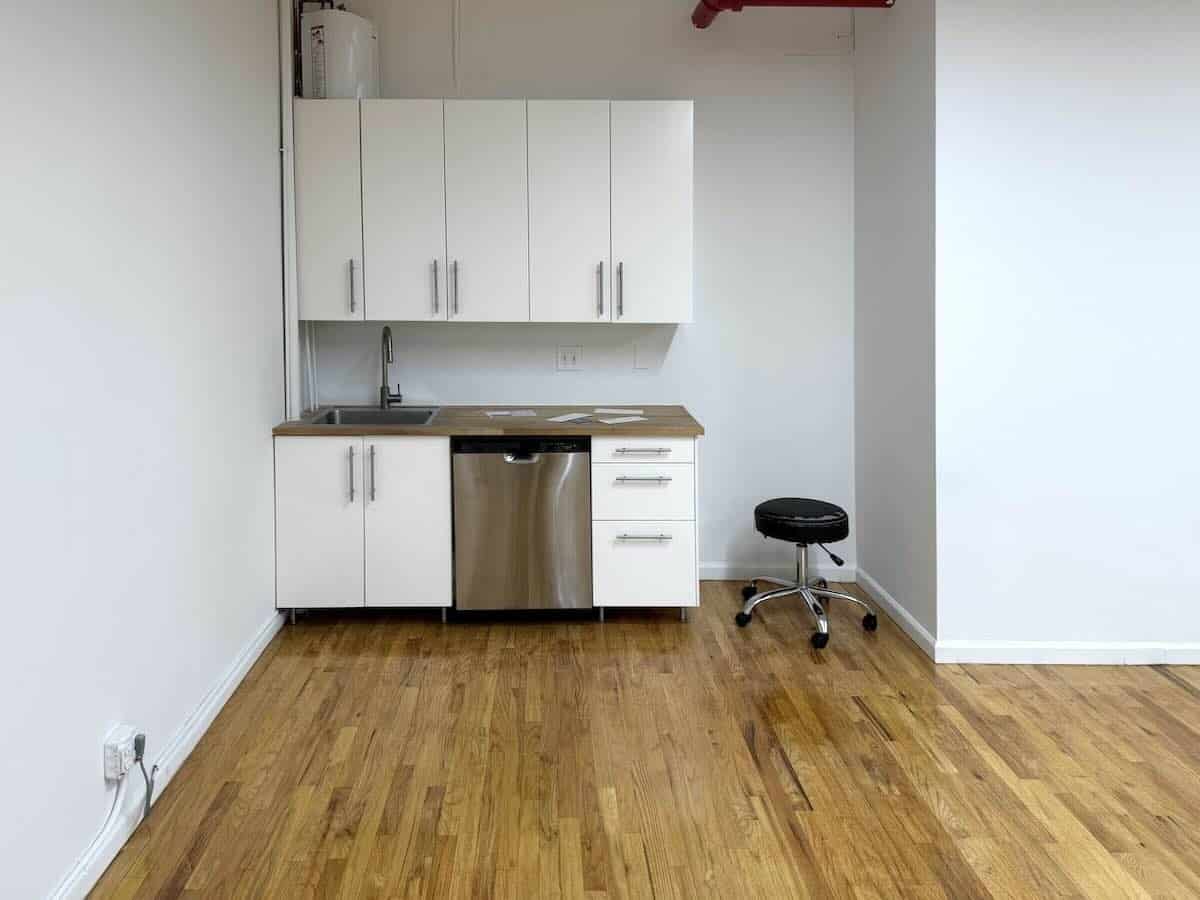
[569, 417]
[619, 412]
[621, 420]
[514, 413]
[492, 413]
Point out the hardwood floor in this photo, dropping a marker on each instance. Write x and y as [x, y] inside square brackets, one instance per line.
[391, 756]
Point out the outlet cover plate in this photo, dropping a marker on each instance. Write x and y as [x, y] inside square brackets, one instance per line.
[570, 359]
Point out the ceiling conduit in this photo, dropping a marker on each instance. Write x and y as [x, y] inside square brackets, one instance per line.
[706, 10]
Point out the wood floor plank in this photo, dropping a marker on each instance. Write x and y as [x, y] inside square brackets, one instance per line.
[387, 755]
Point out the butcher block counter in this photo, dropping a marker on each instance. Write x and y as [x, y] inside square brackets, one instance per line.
[660, 421]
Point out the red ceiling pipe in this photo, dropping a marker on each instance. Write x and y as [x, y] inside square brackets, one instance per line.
[706, 10]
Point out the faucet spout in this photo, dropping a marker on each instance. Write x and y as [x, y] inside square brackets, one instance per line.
[386, 397]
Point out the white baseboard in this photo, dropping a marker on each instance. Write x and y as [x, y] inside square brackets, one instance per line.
[898, 614]
[128, 803]
[1068, 653]
[727, 571]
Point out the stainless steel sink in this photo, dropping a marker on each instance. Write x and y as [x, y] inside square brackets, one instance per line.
[367, 415]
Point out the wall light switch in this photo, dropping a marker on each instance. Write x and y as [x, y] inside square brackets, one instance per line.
[570, 359]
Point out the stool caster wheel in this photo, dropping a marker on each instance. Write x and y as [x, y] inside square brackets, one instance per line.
[743, 619]
[820, 640]
[821, 583]
[870, 622]
[749, 591]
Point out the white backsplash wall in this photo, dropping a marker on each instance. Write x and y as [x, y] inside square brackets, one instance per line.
[767, 367]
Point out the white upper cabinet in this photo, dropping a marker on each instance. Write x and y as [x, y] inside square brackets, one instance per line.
[569, 232]
[652, 210]
[487, 210]
[404, 210]
[328, 210]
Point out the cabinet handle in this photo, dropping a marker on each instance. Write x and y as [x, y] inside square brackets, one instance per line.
[600, 290]
[620, 289]
[351, 473]
[454, 272]
[436, 300]
[352, 298]
[656, 538]
[628, 451]
[643, 479]
[372, 473]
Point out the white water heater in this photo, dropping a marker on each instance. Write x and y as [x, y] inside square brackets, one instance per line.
[339, 55]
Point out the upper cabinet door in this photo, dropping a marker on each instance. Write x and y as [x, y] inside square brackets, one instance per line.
[487, 211]
[404, 210]
[652, 210]
[328, 210]
[570, 276]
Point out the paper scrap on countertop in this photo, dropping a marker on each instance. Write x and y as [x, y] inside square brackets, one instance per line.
[619, 412]
[492, 413]
[569, 417]
[621, 420]
[513, 413]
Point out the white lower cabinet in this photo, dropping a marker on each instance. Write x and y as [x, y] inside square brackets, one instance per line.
[362, 522]
[407, 540]
[644, 564]
[644, 522]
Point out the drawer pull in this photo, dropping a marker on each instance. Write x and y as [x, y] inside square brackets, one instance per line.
[643, 479]
[655, 451]
[658, 538]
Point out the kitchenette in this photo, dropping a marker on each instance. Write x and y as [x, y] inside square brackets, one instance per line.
[487, 508]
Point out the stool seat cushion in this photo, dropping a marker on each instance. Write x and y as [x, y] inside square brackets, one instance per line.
[801, 521]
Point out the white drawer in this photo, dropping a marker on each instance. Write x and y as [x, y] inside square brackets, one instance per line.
[644, 564]
[624, 491]
[643, 449]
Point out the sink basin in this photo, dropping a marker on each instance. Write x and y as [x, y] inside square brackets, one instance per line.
[366, 415]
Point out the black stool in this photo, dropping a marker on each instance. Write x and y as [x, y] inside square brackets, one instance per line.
[802, 522]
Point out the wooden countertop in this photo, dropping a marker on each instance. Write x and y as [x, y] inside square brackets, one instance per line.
[664, 421]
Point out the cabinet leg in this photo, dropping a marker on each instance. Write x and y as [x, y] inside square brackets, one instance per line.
[602, 614]
[683, 614]
[293, 615]
[443, 615]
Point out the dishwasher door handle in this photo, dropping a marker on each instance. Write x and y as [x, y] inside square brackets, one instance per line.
[522, 459]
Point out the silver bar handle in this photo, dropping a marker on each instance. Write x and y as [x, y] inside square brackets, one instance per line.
[436, 299]
[656, 538]
[454, 272]
[351, 473]
[620, 289]
[372, 473]
[654, 479]
[352, 298]
[628, 451]
[600, 290]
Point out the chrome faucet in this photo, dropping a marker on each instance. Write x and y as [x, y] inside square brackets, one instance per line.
[386, 398]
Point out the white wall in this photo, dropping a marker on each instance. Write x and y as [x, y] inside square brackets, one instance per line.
[768, 365]
[141, 359]
[1067, 317]
[894, 309]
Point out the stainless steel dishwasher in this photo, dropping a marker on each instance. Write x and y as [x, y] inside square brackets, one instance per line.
[522, 523]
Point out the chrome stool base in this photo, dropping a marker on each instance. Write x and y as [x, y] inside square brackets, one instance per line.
[811, 590]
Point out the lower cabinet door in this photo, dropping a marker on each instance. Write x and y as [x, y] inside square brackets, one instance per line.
[644, 564]
[318, 522]
[408, 537]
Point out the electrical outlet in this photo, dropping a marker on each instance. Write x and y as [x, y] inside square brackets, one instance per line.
[570, 359]
[118, 752]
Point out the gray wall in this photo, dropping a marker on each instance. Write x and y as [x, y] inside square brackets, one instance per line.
[141, 357]
[894, 310]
